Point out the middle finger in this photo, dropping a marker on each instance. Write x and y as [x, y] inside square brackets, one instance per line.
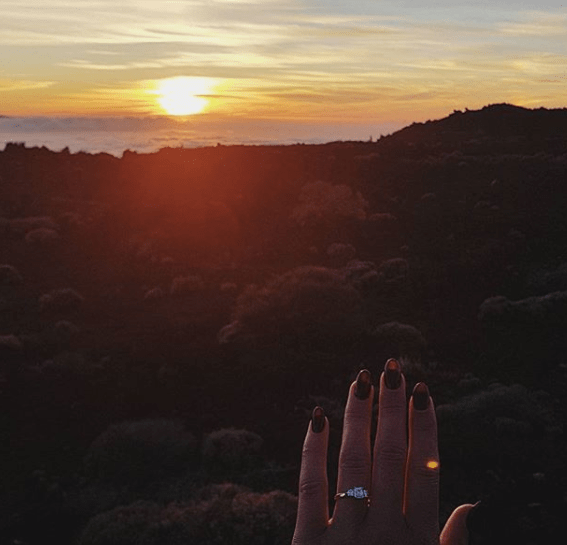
[391, 445]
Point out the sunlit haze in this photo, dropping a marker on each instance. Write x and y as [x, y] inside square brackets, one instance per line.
[323, 62]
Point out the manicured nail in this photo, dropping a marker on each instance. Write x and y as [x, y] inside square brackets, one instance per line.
[420, 396]
[363, 384]
[318, 420]
[392, 374]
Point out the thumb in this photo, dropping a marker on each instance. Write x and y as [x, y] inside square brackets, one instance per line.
[455, 531]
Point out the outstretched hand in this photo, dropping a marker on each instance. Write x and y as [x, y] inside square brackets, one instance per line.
[401, 476]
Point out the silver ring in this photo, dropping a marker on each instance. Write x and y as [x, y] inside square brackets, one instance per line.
[357, 493]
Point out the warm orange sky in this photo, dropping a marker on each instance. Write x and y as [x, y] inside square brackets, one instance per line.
[302, 60]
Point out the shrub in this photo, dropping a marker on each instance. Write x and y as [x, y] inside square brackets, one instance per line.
[340, 253]
[499, 423]
[42, 237]
[394, 270]
[10, 276]
[323, 201]
[60, 301]
[154, 294]
[185, 285]
[403, 342]
[361, 274]
[22, 226]
[222, 514]
[231, 449]
[138, 453]
[312, 306]
[64, 331]
[10, 346]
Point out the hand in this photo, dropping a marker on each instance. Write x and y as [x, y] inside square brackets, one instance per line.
[402, 475]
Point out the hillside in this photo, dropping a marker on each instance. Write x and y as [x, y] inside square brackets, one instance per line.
[150, 301]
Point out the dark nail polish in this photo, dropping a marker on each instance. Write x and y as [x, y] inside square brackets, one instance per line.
[420, 396]
[363, 384]
[392, 374]
[318, 420]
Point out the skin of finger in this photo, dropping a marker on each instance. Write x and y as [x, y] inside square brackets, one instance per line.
[455, 531]
[354, 458]
[312, 509]
[390, 450]
[421, 498]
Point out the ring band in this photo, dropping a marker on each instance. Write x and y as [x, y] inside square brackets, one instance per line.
[357, 493]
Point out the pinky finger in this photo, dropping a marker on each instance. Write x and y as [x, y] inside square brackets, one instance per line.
[313, 507]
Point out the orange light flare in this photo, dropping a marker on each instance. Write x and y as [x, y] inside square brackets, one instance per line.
[432, 464]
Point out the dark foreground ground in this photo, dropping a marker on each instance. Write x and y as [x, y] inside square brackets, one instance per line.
[168, 321]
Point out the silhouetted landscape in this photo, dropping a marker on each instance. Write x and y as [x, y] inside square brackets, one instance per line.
[168, 321]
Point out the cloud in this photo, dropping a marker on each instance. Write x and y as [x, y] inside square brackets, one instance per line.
[20, 85]
[536, 23]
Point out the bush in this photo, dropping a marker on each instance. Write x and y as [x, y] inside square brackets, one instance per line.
[185, 285]
[138, 453]
[340, 253]
[394, 270]
[403, 342]
[230, 449]
[42, 237]
[320, 201]
[222, 514]
[499, 423]
[154, 294]
[10, 276]
[61, 301]
[22, 226]
[313, 307]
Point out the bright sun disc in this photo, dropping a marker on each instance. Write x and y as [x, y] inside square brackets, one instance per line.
[184, 95]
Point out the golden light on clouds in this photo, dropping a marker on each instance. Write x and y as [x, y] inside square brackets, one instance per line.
[184, 95]
[299, 60]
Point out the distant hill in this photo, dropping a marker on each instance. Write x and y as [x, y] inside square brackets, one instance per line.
[495, 120]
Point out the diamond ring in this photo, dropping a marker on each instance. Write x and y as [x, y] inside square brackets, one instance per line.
[358, 493]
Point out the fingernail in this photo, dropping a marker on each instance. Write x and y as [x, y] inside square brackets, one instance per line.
[392, 374]
[318, 420]
[473, 522]
[420, 396]
[363, 384]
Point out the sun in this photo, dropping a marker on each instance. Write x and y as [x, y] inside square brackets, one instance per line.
[184, 95]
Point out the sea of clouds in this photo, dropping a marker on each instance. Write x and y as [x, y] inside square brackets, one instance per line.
[148, 134]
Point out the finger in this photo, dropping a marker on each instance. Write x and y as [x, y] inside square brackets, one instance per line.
[390, 446]
[312, 509]
[421, 500]
[455, 531]
[355, 457]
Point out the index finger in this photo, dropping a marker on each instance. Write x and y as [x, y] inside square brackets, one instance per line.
[313, 506]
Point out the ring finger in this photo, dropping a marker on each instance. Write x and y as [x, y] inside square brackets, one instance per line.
[355, 454]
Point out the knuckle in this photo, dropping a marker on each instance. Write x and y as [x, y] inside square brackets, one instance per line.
[426, 475]
[310, 488]
[390, 452]
[355, 463]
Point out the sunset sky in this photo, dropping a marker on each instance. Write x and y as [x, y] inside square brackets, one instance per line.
[316, 61]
